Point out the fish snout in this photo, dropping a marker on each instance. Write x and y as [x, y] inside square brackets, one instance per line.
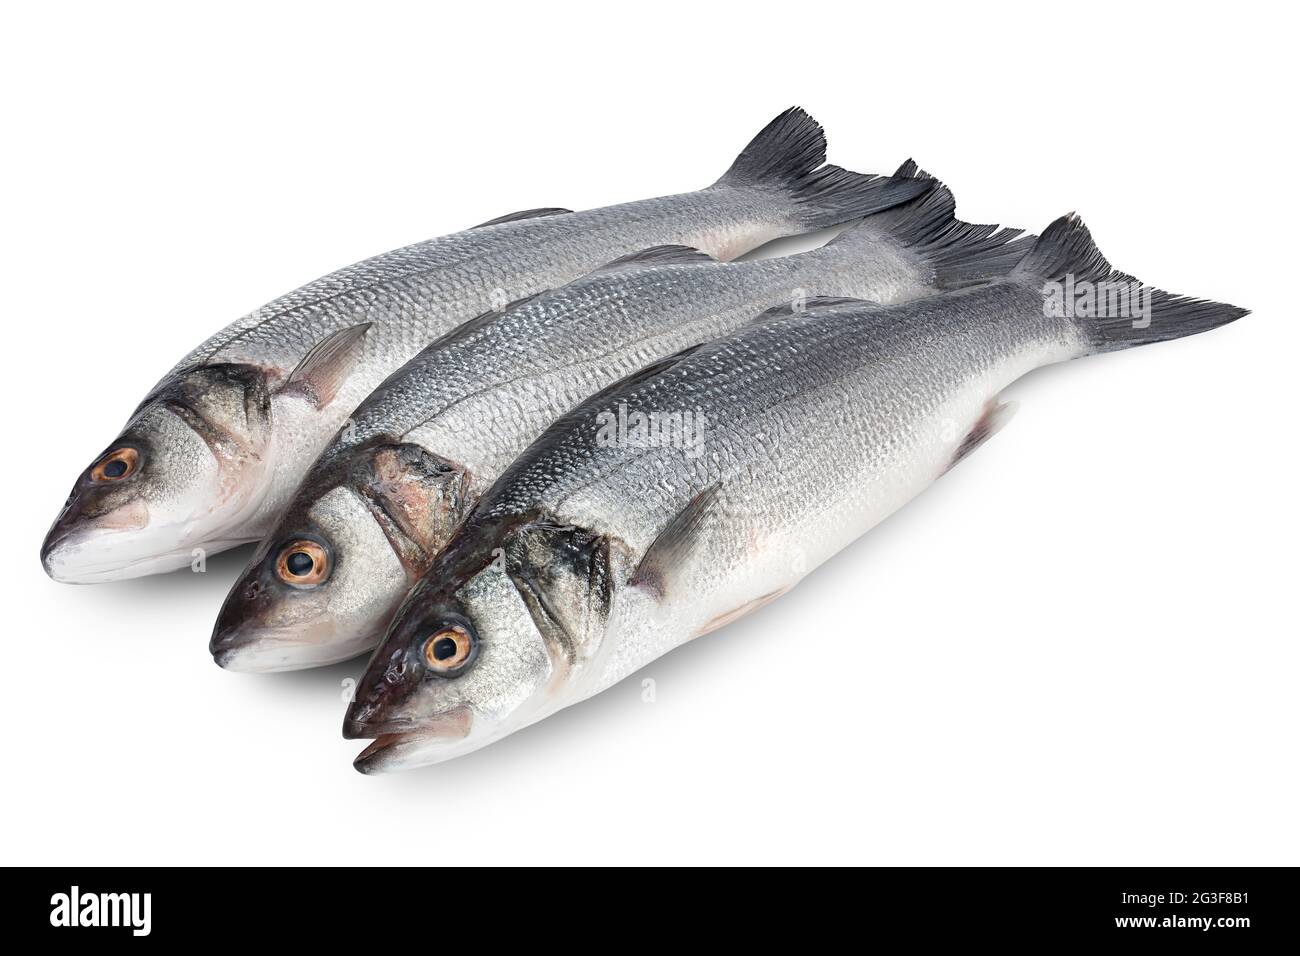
[263, 650]
[56, 548]
[382, 695]
[265, 626]
[233, 647]
[248, 638]
[401, 694]
[252, 632]
[85, 546]
[239, 622]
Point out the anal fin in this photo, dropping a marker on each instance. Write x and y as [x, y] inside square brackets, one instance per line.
[996, 414]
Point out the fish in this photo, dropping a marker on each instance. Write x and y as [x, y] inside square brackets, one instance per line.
[386, 495]
[210, 456]
[587, 559]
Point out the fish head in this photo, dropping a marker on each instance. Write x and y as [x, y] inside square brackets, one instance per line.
[492, 638]
[188, 463]
[364, 525]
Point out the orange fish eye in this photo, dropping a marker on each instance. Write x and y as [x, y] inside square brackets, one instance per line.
[117, 464]
[302, 564]
[448, 649]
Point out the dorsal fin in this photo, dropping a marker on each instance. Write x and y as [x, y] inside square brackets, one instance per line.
[817, 302]
[667, 556]
[525, 214]
[909, 170]
[657, 255]
[326, 367]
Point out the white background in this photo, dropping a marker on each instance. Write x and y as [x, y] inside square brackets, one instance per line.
[1079, 647]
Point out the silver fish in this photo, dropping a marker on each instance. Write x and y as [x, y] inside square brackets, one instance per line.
[589, 558]
[387, 493]
[212, 453]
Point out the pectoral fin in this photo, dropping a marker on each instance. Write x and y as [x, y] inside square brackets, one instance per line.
[321, 374]
[669, 555]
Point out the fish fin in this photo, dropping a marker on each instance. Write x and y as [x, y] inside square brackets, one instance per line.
[1065, 248]
[641, 374]
[735, 614]
[667, 555]
[1132, 314]
[995, 415]
[814, 303]
[656, 255]
[326, 367]
[785, 158]
[955, 253]
[465, 329]
[621, 387]
[910, 170]
[525, 214]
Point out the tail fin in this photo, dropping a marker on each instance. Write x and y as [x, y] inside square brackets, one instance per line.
[787, 156]
[956, 253]
[1113, 309]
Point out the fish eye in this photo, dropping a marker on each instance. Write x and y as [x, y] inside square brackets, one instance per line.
[449, 649]
[117, 464]
[302, 564]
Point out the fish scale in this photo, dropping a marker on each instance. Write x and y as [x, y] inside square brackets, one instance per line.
[307, 359]
[820, 424]
[443, 427]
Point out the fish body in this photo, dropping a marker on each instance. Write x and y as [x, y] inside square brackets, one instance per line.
[587, 559]
[211, 455]
[387, 493]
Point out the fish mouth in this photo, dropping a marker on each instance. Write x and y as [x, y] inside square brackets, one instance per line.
[71, 567]
[403, 744]
[252, 649]
[354, 729]
[78, 550]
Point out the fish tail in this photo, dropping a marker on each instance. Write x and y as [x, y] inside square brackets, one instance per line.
[952, 253]
[786, 158]
[1112, 308]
